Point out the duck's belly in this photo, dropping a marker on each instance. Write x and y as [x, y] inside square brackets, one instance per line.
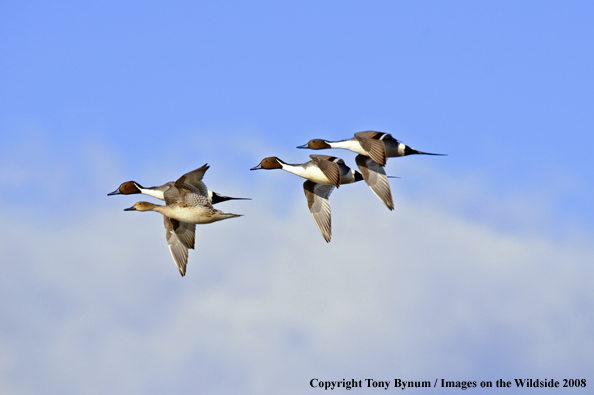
[192, 214]
[313, 173]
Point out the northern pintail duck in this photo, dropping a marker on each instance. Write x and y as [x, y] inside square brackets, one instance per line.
[132, 187]
[323, 174]
[186, 205]
[373, 148]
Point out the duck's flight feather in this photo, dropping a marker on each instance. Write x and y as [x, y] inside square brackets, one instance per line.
[375, 177]
[317, 200]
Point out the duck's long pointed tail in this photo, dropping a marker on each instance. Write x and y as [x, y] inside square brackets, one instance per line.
[218, 198]
[412, 151]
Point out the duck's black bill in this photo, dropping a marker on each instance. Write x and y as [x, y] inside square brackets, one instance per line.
[116, 192]
[256, 167]
[130, 209]
[303, 146]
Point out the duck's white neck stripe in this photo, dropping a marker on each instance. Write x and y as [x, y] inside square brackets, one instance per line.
[153, 192]
[350, 144]
[297, 170]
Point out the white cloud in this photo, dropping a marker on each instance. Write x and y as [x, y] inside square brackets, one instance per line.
[94, 303]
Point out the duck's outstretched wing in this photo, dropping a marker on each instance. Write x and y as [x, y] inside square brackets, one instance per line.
[187, 194]
[194, 178]
[317, 200]
[180, 236]
[329, 166]
[375, 177]
[371, 143]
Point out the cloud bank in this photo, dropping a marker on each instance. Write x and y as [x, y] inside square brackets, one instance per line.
[93, 302]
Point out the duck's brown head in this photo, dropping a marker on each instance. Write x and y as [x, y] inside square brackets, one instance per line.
[141, 206]
[316, 144]
[272, 162]
[127, 188]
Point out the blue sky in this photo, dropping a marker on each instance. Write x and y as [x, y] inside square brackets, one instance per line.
[481, 271]
[499, 86]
